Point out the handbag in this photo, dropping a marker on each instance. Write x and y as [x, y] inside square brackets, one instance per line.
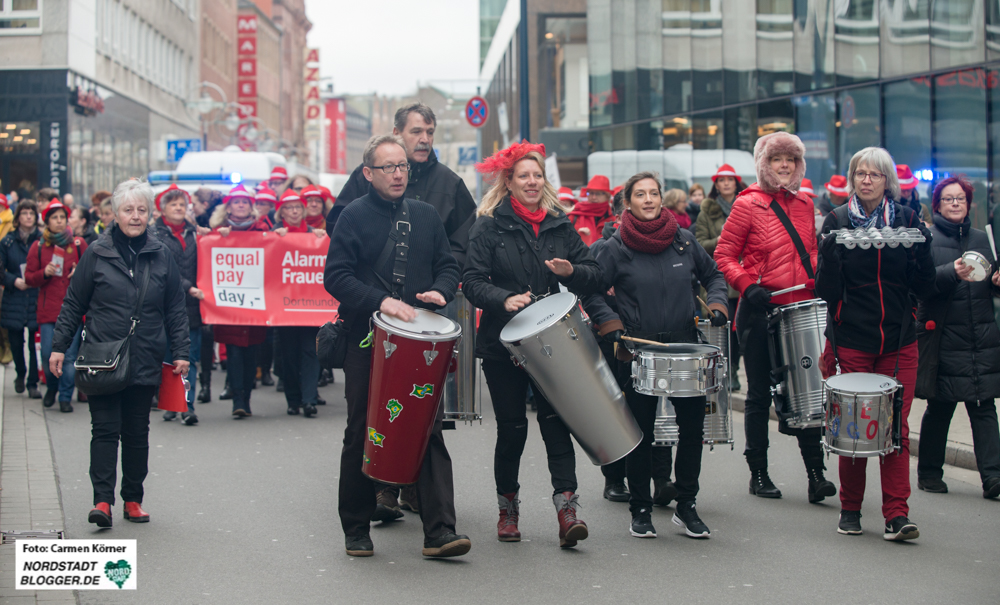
[102, 368]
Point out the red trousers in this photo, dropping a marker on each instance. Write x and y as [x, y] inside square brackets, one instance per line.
[894, 469]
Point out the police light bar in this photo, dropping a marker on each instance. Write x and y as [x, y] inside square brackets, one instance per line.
[166, 176]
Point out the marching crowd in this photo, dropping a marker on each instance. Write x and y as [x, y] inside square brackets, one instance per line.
[639, 258]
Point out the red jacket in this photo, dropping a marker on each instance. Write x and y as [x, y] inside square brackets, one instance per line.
[754, 244]
[51, 290]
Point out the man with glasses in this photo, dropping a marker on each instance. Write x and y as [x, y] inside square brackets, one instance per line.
[431, 279]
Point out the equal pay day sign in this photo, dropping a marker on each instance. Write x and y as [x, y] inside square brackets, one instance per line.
[262, 279]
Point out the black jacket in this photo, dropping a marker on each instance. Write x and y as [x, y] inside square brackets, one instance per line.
[358, 241]
[653, 291]
[429, 182]
[495, 242]
[103, 289]
[869, 293]
[187, 264]
[969, 353]
[20, 307]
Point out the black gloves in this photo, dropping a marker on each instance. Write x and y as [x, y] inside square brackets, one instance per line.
[757, 296]
[614, 336]
[830, 250]
[923, 250]
[718, 319]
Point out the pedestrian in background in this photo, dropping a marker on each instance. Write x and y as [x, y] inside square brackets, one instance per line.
[835, 195]
[590, 215]
[696, 195]
[20, 301]
[566, 199]
[909, 196]
[106, 291]
[675, 200]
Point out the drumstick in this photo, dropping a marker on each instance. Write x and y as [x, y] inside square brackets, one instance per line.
[703, 304]
[641, 341]
[809, 285]
[993, 244]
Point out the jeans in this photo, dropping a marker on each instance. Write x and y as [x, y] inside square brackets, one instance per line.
[508, 385]
[122, 416]
[241, 372]
[299, 364]
[17, 342]
[934, 437]
[65, 383]
[194, 357]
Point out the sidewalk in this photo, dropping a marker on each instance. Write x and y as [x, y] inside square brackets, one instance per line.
[29, 497]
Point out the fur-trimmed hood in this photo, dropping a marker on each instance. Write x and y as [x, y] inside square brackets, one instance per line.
[219, 216]
[770, 145]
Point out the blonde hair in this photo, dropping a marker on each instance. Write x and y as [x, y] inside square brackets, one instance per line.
[496, 194]
[673, 198]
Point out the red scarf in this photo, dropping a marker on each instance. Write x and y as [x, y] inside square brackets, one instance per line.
[532, 218]
[178, 231]
[650, 237]
[590, 215]
[316, 222]
[302, 227]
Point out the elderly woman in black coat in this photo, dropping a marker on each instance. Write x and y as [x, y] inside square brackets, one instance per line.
[105, 288]
[959, 343]
[20, 302]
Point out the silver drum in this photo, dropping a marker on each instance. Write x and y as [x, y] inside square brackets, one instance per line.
[719, 411]
[677, 369]
[801, 341]
[551, 340]
[461, 403]
[859, 414]
[718, 424]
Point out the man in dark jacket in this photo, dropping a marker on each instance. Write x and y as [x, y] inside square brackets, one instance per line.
[431, 279]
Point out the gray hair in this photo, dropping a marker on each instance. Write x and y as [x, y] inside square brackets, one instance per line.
[132, 189]
[877, 159]
[403, 114]
[368, 159]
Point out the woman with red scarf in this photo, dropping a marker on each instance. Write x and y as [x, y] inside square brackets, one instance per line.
[650, 262]
[521, 246]
[317, 206]
[590, 216]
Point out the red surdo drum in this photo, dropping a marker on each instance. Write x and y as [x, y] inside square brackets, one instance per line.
[410, 363]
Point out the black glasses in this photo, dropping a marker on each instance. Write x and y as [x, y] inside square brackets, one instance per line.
[391, 168]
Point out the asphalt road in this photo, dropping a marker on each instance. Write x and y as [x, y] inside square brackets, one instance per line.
[245, 512]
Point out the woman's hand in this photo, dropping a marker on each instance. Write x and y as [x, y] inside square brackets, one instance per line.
[432, 296]
[584, 231]
[204, 230]
[516, 302]
[50, 269]
[224, 231]
[995, 280]
[196, 293]
[56, 363]
[963, 271]
[319, 232]
[281, 231]
[561, 267]
[20, 284]
[181, 366]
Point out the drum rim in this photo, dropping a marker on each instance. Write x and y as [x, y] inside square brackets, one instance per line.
[555, 319]
[391, 329]
[717, 351]
[812, 302]
[979, 261]
[829, 387]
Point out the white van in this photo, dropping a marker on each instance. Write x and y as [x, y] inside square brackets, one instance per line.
[220, 170]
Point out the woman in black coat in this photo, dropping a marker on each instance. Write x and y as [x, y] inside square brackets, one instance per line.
[519, 222]
[960, 343]
[20, 302]
[105, 289]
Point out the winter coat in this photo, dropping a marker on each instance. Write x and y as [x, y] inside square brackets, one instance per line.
[239, 336]
[51, 290]
[869, 293]
[187, 264]
[6, 222]
[708, 228]
[968, 359]
[105, 290]
[653, 291]
[430, 182]
[495, 242]
[20, 307]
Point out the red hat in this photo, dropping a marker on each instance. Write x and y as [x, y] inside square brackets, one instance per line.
[906, 179]
[172, 187]
[311, 191]
[3, 201]
[566, 194]
[238, 191]
[278, 172]
[290, 195]
[726, 170]
[599, 182]
[837, 185]
[266, 194]
[53, 205]
[327, 194]
[807, 188]
[615, 191]
[500, 162]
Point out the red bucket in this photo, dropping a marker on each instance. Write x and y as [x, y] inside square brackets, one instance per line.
[173, 390]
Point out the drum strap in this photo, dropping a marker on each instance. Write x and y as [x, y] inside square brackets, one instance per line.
[398, 242]
[792, 233]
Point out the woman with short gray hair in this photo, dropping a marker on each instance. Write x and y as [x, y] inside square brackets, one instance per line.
[106, 288]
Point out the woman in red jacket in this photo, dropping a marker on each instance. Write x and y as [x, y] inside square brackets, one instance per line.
[757, 255]
[589, 216]
[51, 262]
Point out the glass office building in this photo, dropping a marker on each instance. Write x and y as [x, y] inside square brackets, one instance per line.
[685, 85]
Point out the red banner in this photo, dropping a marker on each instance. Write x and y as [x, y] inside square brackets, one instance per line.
[262, 279]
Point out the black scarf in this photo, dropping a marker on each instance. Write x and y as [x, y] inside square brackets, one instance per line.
[956, 231]
[128, 247]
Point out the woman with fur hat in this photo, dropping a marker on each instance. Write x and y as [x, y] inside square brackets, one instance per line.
[758, 256]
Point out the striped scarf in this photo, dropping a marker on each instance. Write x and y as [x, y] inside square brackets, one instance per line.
[883, 215]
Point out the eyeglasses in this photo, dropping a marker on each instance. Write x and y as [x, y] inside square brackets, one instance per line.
[876, 177]
[956, 201]
[391, 168]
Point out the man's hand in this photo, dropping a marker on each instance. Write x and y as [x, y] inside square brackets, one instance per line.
[561, 267]
[56, 363]
[224, 231]
[281, 231]
[20, 284]
[516, 302]
[433, 297]
[964, 271]
[181, 366]
[196, 293]
[398, 309]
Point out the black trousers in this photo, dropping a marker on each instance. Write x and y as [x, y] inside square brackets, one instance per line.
[934, 437]
[265, 354]
[122, 416]
[751, 326]
[207, 356]
[436, 488]
[299, 364]
[734, 341]
[508, 386]
[17, 342]
[241, 372]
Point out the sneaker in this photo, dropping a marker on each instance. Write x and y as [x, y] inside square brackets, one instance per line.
[359, 546]
[168, 416]
[226, 393]
[664, 492]
[642, 524]
[900, 528]
[687, 517]
[932, 486]
[991, 488]
[191, 419]
[386, 506]
[448, 545]
[850, 523]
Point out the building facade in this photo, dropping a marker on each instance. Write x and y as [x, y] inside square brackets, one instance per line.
[290, 17]
[218, 61]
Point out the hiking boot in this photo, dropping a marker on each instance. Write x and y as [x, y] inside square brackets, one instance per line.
[900, 528]
[642, 524]
[932, 486]
[448, 545]
[664, 492]
[571, 529]
[386, 506]
[509, 514]
[359, 546]
[850, 523]
[616, 491]
[205, 394]
[687, 517]
[819, 487]
[408, 498]
[991, 488]
[761, 485]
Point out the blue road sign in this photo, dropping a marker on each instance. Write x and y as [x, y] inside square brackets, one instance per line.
[176, 148]
[467, 155]
[476, 111]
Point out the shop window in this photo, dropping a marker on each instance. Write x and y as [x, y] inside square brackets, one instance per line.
[814, 50]
[676, 57]
[706, 53]
[739, 51]
[20, 17]
[956, 33]
[563, 70]
[858, 123]
[623, 61]
[19, 137]
[993, 89]
[815, 124]
[908, 127]
[602, 96]
[905, 31]
[649, 59]
[960, 132]
[775, 48]
[856, 40]
[707, 131]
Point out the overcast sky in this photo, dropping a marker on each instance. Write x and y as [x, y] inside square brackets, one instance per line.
[387, 46]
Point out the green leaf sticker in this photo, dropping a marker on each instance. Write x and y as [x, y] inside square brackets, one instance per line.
[118, 572]
[422, 391]
[394, 408]
[374, 437]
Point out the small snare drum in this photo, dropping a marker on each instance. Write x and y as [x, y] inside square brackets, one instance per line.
[981, 267]
[859, 414]
[677, 369]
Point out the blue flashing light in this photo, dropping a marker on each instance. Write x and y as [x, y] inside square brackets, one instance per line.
[924, 175]
[235, 178]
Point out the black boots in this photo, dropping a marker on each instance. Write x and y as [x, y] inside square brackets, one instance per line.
[819, 487]
[761, 485]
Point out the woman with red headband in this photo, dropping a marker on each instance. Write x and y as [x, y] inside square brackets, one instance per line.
[520, 221]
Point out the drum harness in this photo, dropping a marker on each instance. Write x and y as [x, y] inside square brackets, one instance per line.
[398, 242]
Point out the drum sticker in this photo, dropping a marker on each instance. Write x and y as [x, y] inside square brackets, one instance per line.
[394, 408]
[375, 437]
[806, 362]
[422, 391]
[367, 460]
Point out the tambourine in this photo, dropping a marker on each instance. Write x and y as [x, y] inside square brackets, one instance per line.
[981, 267]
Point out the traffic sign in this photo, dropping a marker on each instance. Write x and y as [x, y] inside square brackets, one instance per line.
[176, 148]
[477, 111]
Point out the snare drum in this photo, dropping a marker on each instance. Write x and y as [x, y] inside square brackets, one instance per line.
[677, 369]
[859, 414]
